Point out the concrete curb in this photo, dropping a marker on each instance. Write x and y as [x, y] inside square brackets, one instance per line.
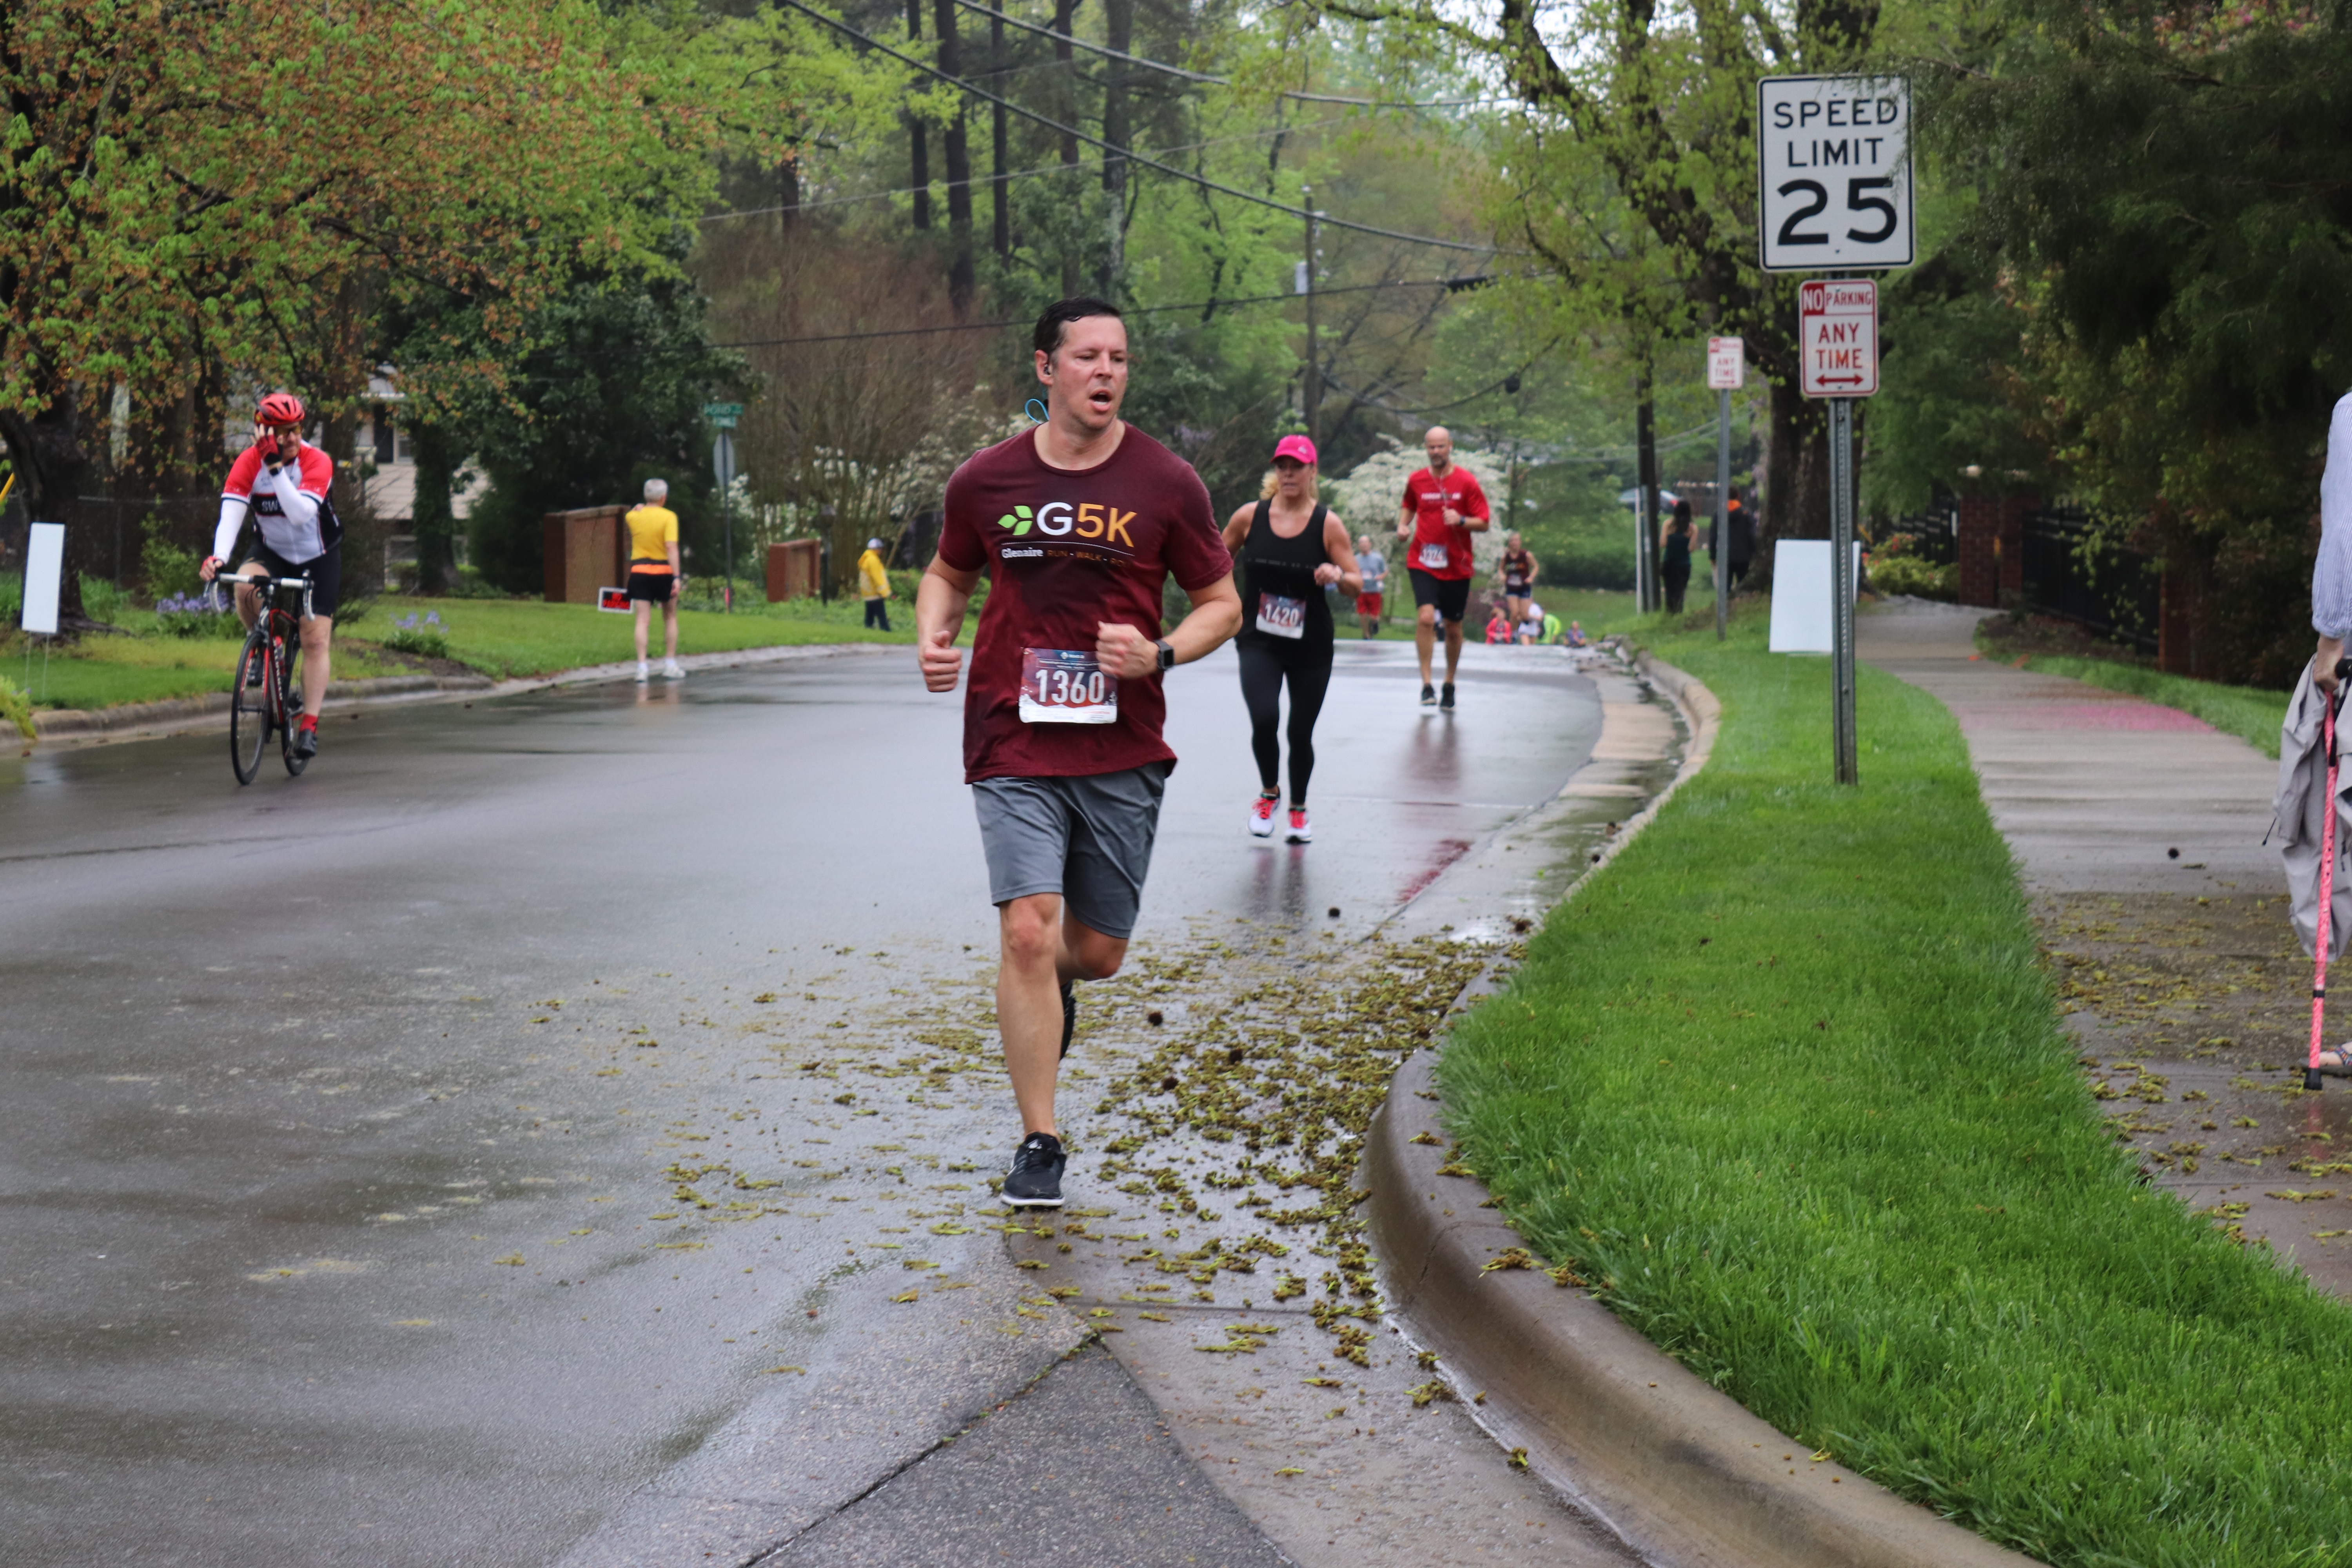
[1677, 1469]
[146, 721]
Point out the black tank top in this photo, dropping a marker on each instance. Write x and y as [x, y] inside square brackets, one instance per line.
[1278, 586]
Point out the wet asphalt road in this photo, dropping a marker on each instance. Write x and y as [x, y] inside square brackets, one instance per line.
[346, 1204]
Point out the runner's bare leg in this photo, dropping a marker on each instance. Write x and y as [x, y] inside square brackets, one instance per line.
[1424, 639]
[1453, 653]
[1041, 946]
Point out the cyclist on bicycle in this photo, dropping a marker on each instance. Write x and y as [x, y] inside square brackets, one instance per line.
[282, 480]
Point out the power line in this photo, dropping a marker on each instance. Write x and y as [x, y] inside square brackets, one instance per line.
[1132, 157]
[979, 180]
[1206, 79]
[1451, 285]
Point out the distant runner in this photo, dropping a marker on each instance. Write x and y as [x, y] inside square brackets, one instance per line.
[1371, 599]
[655, 578]
[282, 480]
[1290, 547]
[1079, 523]
[1519, 570]
[1444, 505]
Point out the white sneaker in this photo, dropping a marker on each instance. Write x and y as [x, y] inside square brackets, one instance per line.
[644, 670]
[1301, 830]
[1262, 817]
[673, 670]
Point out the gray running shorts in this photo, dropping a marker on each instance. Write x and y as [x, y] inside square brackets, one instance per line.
[1088, 839]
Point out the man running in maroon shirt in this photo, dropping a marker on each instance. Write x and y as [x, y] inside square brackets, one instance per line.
[1078, 523]
[1444, 505]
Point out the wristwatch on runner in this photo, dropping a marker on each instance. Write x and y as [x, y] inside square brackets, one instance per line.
[1167, 654]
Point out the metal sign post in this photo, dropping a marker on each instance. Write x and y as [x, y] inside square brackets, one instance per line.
[1842, 590]
[1727, 368]
[722, 466]
[1834, 192]
[1837, 337]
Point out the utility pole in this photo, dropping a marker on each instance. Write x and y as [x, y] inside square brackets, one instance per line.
[1645, 451]
[1311, 392]
[916, 142]
[1003, 214]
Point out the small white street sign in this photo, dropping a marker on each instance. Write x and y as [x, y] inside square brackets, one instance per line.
[722, 460]
[1727, 364]
[45, 567]
[1834, 162]
[1837, 337]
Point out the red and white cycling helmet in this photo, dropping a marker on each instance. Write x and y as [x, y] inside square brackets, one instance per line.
[281, 408]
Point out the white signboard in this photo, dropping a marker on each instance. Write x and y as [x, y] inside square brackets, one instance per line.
[1837, 337]
[1802, 593]
[722, 461]
[1727, 364]
[1834, 160]
[45, 563]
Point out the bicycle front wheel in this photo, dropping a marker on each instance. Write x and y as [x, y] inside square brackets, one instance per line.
[289, 702]
[249, 705]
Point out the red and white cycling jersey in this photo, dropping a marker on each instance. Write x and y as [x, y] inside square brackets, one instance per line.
[290, 509]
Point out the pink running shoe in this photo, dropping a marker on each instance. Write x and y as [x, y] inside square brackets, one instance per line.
[1262, 817]
[1301, 831]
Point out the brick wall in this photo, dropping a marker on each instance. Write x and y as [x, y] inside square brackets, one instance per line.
[1990, 545]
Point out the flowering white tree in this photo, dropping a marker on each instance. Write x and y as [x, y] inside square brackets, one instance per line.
[1369, 496]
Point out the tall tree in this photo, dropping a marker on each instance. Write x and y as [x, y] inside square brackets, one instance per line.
[1659, 103]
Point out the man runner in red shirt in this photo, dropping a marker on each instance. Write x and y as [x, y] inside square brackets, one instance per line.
[1079, 522]
[1444, 505]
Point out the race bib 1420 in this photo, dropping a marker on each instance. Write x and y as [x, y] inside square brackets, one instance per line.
[1281, 617]
[1065, 686]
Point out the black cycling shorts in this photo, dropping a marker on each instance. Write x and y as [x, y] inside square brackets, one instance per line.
[326, 574]
[651, 587]
[1449, 595]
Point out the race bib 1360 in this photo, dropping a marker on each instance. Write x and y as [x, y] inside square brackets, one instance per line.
[1065, 686]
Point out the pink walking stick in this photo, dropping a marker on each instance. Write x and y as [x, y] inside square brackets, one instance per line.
[2311, 1078]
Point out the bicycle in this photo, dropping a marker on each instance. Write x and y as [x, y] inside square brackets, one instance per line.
[268, 694]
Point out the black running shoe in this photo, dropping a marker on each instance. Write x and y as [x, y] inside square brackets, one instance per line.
[1446, 702]
[1428, 696]
[305, 737]
[1069, 1015]
[1035, 1181]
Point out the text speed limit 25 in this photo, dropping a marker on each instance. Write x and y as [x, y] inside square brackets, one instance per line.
[1834, 157]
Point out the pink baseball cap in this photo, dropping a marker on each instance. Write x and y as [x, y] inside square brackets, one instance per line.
[1297, 446]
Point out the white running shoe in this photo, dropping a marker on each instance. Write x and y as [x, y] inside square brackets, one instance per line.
[1301, 830]
[673, 670]
[645, 671]
[1262, 817]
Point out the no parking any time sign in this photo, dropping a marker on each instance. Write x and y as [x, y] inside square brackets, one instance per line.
[1837, 337]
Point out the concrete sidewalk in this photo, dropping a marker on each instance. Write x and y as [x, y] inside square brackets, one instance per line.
[2138, 833]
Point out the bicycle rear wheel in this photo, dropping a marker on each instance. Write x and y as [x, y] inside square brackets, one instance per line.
[290, 700]
[249, 707]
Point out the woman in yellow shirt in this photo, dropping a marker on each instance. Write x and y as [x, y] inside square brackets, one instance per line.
[654, 576]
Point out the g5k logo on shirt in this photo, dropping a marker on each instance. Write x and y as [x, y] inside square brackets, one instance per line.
[1058, 520]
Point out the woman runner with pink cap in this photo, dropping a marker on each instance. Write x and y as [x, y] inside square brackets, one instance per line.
[1289, 548]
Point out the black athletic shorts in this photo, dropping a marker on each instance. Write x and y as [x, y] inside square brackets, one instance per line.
[1449, 595]
[325, 571]
[652, 586]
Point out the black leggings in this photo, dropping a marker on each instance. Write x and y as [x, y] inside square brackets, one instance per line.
[1308, 664]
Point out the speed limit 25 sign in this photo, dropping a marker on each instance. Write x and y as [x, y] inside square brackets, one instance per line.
[1834, 155]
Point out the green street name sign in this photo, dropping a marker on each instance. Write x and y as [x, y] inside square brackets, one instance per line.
[722, 414]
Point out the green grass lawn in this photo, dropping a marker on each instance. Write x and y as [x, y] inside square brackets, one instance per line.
[500, 637]
[1785, 1083]
[2252, 714]
[524, 636]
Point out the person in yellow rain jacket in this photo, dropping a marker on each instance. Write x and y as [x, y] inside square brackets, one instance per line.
[874, 584]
